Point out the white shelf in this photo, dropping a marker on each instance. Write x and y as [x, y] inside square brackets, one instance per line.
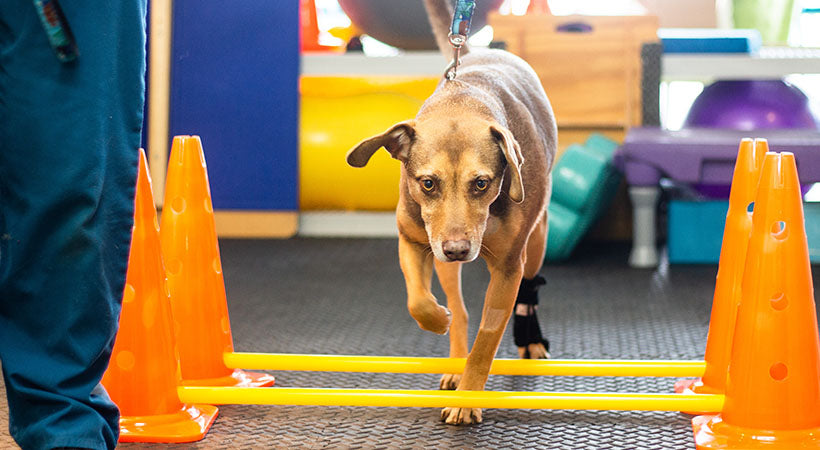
[348, 224]
[769, 63]
[409, 63]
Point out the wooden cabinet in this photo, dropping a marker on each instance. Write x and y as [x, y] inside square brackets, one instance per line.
[590, 66]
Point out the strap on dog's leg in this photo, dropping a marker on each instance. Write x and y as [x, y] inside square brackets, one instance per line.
[526, 329]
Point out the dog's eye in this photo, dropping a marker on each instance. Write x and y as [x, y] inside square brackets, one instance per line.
[427, 184]
[481, 184]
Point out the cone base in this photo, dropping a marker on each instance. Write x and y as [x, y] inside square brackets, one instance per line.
[695, 386]
[188, 425]
[712, 433]
[682, 385]
[238, 378]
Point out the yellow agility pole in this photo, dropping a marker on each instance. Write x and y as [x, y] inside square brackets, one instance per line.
[393, 364]
[439, 399]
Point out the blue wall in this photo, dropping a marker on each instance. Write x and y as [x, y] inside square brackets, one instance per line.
[144, 139]
[234, 82]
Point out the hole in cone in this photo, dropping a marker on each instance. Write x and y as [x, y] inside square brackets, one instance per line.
[779, 371]
[178, 204]
[125, 360]
[174, 266]
[779, 230]
[751, 207]
[780, 302]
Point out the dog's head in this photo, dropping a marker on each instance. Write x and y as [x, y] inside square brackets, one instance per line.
[454, 170]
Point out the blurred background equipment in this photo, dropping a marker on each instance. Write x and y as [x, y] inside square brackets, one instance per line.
[403, 23]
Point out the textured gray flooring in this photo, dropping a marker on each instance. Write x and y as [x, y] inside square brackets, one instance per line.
[338, 296]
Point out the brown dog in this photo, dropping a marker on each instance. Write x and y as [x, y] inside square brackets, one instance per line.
[475, 180]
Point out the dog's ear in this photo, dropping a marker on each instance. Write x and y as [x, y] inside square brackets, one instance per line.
[512, 153]
[396, 140]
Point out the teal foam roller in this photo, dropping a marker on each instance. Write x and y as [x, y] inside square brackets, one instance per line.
[562, 240]
[575, 176]
[602, 145]
[562, 223]
[584, 183]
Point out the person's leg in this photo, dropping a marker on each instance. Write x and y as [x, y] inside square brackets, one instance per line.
[69, 138]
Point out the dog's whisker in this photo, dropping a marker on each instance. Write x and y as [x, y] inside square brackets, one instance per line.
[428, 251]
[487, 250]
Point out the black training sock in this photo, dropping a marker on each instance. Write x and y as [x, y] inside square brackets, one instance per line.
[526, 329]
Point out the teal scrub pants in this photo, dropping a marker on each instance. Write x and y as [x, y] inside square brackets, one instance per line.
[69, 139]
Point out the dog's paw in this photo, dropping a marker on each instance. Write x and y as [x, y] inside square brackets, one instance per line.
[461, 416]
[429, 314]
[534, 351]
[449, 381]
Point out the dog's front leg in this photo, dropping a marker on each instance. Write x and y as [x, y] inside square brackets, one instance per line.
[449, 276]
[417, 265]
[498, 306]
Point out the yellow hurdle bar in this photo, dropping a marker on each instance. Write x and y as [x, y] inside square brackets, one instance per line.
[439, 399]
[395, 364]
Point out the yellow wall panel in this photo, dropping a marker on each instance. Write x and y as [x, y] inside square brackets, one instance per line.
[336, 114]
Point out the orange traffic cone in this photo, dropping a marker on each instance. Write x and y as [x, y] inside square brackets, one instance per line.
[309, 26]
[143, 374]
[730, 269]
[191, 252]
[538, 7]
[773, 383]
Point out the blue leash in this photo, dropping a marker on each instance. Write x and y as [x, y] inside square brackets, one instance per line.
[57, 30]
[462, 17]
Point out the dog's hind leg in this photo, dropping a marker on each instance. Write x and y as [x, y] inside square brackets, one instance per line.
[526, 330]
[449, 276]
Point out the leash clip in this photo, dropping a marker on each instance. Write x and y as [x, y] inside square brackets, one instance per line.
[459, 30]
[57, 30]
[456, 40]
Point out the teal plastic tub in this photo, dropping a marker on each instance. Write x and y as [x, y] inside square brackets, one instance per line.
[695, 230]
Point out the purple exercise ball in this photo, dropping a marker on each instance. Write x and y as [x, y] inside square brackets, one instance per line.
[751, 105]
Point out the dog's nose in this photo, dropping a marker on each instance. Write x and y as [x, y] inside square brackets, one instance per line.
[456, 250]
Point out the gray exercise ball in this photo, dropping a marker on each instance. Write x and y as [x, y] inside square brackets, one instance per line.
[403, 23]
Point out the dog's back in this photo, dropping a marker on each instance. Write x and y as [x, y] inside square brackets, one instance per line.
[502, 84]
[499, 78]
